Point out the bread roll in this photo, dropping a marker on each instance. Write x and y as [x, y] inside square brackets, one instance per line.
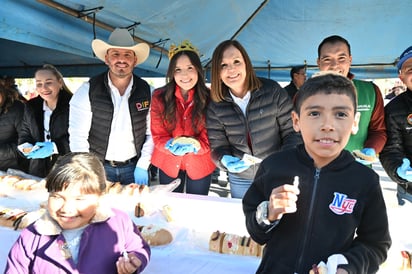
[27, 149]
[216, 241]
[188, 141]
[155, 235]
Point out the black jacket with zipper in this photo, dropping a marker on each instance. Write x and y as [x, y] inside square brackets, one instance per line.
[268, 123]
[10, 123]
[399, 142]
[32, 130]
[340, 210]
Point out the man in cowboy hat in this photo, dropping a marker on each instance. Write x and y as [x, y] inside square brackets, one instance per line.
[109, 113]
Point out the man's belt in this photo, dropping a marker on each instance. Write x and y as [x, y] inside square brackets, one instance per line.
[119, 163]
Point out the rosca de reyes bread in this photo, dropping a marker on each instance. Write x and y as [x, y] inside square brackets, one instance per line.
[187, 140]
[130, 189]
[357, 153]
[232, 244]
[21, 183]
[29, 184]
[227, 243]
[216, 241]
[155, 235]
[252, 248]
[9, 180]
[18, 218]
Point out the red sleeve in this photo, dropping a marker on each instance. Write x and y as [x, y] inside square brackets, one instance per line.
[159, 133]
[377, 129]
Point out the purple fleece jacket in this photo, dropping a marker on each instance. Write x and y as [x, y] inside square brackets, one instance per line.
[38, 248]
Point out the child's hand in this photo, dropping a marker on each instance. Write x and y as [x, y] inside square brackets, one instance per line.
[128, 264]
[282, 200]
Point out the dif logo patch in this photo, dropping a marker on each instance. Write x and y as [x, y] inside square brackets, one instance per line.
[144, 105]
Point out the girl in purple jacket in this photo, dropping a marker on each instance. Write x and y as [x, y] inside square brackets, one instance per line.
[78, 234]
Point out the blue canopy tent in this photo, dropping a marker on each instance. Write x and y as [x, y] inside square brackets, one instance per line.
[276, 34]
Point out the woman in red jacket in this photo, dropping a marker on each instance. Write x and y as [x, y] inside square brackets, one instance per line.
[178, 110]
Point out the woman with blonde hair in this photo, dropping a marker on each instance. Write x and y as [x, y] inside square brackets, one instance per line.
[46, 121]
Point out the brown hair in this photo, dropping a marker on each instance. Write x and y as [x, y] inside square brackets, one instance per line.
[201, 95]
[7, 97]
[77, 168]
[325, 83]
[218, 89]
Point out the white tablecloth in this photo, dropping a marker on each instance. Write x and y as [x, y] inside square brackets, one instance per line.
[195, 218]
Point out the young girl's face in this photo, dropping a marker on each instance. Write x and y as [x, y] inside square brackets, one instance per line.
[71, 208]
[185, 73]
[326, 123]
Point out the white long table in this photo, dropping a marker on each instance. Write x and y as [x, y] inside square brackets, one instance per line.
[195, 218]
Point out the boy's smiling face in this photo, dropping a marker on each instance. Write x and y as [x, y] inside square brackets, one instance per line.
[325, 122]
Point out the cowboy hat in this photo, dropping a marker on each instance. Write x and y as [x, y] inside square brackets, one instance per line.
[120, 39]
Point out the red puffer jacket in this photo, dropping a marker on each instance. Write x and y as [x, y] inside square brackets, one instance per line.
[196, 165]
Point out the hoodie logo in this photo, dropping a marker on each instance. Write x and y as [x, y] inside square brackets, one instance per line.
[341, 204]
[409, 119]
[142, 105]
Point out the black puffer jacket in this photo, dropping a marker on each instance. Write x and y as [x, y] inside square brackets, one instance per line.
[268, 121]
[398, 121]
[340, 210]
[32, 130]
[10, 123]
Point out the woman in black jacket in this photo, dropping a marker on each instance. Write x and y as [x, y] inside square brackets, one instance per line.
[11, 115]
[46, 121]
[247, 116]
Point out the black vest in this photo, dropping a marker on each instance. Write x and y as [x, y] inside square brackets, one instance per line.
[102, 110]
